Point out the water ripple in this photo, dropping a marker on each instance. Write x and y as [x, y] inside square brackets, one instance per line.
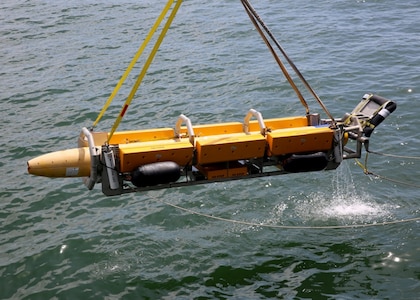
[60, 61]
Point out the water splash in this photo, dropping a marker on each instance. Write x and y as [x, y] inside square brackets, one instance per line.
[343, 202]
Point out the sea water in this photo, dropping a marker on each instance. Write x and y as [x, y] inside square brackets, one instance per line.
[322, 235]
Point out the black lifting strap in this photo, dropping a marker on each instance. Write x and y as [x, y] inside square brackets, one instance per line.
[258, 23]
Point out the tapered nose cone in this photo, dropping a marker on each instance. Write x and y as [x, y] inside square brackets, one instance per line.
[66, 163]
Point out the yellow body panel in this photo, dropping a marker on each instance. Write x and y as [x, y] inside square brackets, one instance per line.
[220, 148]
[299, 140]
[126, 137]
[66, 163]
[216, 129]
[137, 154]
[280, 123]
[237, 127]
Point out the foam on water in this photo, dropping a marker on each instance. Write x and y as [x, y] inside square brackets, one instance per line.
[343, 202]
[340, 203]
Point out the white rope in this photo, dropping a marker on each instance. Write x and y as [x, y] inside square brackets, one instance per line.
[289, 226]
[394, 155]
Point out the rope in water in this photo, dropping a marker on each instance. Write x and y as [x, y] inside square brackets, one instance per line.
[368, 172]
[288, 226]
[394, 155]
[349, 226]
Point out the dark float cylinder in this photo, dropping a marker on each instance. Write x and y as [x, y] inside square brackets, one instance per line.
[156, 173]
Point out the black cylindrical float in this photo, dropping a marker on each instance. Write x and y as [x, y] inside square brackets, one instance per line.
[305, 162]
[156, 173]
[387, 109]
[378, 99]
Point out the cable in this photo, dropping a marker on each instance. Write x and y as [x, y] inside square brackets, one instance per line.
[368, 172]
[393, 155]
[276, 57]
[251, 10]
[288, 226]
[392, 180]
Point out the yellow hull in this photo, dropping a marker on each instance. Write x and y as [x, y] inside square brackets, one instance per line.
[212, 144]
[187, 154]
[66, 163]
[192, 154]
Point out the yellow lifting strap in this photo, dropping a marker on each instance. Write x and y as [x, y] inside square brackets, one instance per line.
[144, 70]
[134, 60]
